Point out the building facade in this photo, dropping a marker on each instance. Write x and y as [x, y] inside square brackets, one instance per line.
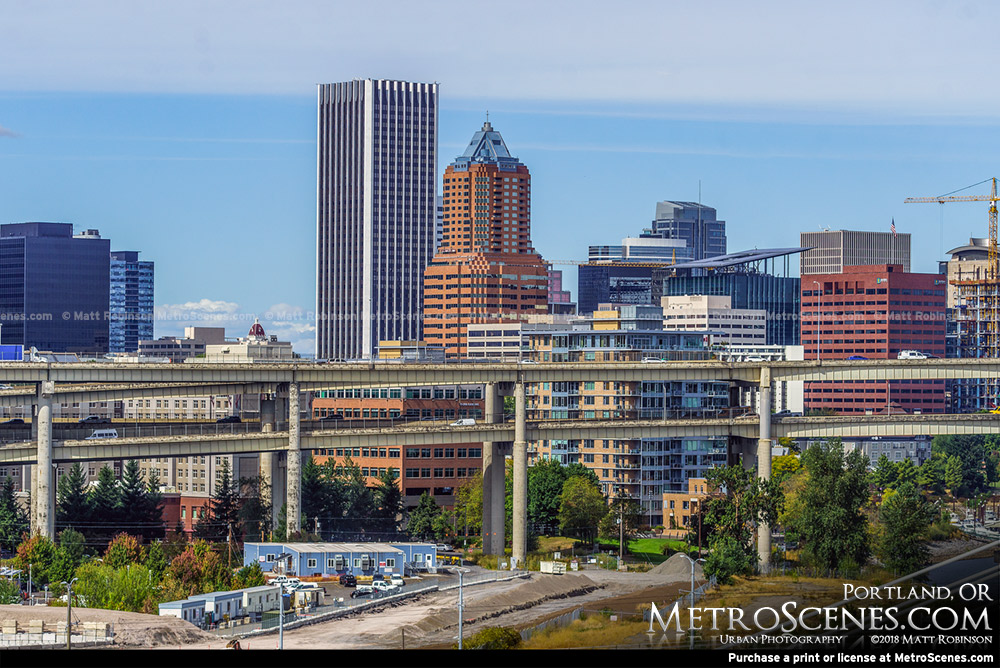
[832, 250]
[56, 288]
[486, 269]
[130, 302]
[729, 325]
[375, 217]
[695, 224]
[180, 348]
[873, 312]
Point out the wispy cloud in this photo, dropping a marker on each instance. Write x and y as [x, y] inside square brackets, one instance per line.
[6, 132]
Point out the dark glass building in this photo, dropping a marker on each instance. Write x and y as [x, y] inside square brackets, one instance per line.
[747, 277]
[131, 301]
[54, 287]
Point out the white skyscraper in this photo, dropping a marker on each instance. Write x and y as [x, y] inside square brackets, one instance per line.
[375, 214]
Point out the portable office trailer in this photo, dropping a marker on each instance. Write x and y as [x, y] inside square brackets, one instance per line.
[331, 559]
[258, 600]
[220, 605]
[190, 610]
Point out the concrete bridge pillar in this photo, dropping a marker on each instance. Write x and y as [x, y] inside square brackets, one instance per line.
[43, 521]
[520, 528]
[489, 462]
[269, 460]
[764, 464]
[293, 477]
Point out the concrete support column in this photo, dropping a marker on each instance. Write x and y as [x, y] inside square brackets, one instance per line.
[293, 512]
[499, 502]
[43, 522]
[269, 460]
[764, 464]
[520, 528]
[489, 413]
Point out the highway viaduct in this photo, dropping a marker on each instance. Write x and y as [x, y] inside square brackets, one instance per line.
[110, 381]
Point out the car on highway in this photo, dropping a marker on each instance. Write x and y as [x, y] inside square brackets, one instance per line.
[332, 417]
[857, 357]
[652, 360]
[464, 422]
[228, 419]
[912, 355]
[102, 433]
[93, 419]
[14, 421]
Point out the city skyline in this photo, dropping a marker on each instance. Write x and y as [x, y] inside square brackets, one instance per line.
[182, 154]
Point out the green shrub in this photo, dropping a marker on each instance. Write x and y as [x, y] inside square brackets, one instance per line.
[495, 637]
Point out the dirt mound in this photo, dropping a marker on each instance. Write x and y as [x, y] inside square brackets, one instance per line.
[677, 568]
[529, 594]
[130, 628]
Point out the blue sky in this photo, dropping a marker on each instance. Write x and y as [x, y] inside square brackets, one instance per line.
[187, 130]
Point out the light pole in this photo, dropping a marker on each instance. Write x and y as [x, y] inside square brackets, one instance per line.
[691, 607]
[819, 307]
[461, 604]
[69, 613]
[281, 604]
[694, 502]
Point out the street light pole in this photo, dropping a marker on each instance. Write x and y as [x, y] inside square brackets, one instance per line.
[69, 613]
[461, 605]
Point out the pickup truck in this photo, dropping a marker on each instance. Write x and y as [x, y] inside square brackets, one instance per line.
[380, 586]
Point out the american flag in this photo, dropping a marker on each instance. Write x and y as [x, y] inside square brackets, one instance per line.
[893, 228]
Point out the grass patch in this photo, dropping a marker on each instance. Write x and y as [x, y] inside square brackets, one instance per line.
[596, 630]
[556, 543]
[651, 550]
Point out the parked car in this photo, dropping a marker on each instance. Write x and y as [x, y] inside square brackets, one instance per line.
[229, 418]
[396, 579]
[93, 419]
[443, 547]
[102, 433]
[348, 580]
[912, 355]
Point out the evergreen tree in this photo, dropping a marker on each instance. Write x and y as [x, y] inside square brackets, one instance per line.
[422, 518]
[255, 513]
[359, 500]
[388, 502]
[72, 504]
[884, 475]
[931, 474]
[141, 513]
[315, 496]
[223, 509]
[906, 473]
[905, 516]
[106, 508]
[13, 518]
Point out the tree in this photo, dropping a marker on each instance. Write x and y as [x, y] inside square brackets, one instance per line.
[831, 523]
[905, 516]
[971, 450]
[359, 500]
[255, 513]
[249, 576]
[545, 484]
[728, 558]
[13, 519]
[422, 518]
[315, 494]
[141, 512]
[953, 475]
[469, 504]
[10, 592]
[69, 555]
[388, 503]
[931, 473]
[72, 504]
[884, 475]
[581, 507]
[38, 552]
[223, 508]
[105, 506]
[906, 472]
[783, 466]
[196, 570]
[129, 588]
[621, 508]
[156, 560]
[123, 550]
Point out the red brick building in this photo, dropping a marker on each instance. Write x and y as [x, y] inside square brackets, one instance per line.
[437, 470]
[486, 269]
[874, 312]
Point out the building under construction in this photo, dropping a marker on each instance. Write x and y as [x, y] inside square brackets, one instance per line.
[973, 301]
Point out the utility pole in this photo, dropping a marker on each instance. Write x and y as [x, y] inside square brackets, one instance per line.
[621, 532]
[69, 613]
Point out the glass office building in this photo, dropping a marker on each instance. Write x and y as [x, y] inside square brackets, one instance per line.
[131, 301]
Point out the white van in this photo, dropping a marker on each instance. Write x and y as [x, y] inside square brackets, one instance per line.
[911, 355]
[102, 433]
[464, 422]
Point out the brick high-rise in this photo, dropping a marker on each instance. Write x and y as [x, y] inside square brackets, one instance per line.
[873, 312]
[486, 269]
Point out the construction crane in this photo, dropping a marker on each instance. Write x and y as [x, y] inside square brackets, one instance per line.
[980, 294]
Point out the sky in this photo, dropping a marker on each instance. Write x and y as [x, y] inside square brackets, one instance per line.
[186, 130]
